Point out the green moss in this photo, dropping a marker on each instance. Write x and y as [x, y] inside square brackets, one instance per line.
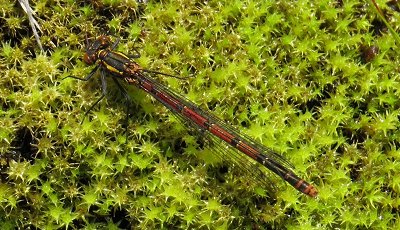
[290, 72]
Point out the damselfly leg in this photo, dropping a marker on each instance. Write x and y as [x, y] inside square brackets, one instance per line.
[128, 105]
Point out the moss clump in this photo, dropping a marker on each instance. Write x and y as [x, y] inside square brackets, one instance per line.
[291, 74]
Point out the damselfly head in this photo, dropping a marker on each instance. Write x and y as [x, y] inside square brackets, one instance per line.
[91, 54]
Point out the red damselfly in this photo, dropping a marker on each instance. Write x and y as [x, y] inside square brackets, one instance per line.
[123, 67]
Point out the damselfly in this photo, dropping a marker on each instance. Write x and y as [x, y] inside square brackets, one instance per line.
[123, 67]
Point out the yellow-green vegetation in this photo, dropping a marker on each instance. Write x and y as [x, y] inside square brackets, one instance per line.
[317, 81]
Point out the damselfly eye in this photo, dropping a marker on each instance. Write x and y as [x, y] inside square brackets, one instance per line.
[89, 58]
[104, 41]
[91, 54]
